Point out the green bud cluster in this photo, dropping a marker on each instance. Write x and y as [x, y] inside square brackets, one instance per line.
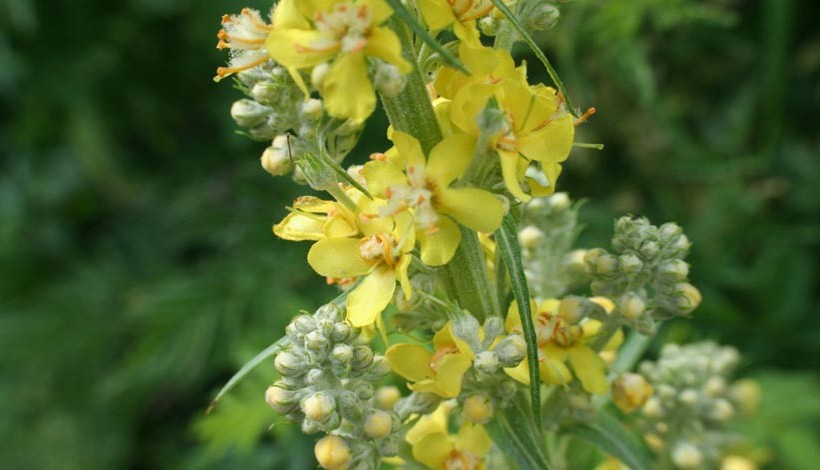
[328, 384]
[693, 402]
[539, 15]
[549, 228]
[646, 275]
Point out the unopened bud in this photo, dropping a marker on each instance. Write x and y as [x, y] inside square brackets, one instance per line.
[687, 456]
[630, 392]
[652, 408]
[378, 424]
[574, 261]
[677, 270]
[631, 306]
[362, 357]
[348, 405]
[670, 230]
[688, 297]
[342, 332]
[543, 17]
[477, 409]
[290, 364]
[312, 108]
[387, 396]
[574, 309]
[528, 236]
[317, 76]
[301, 325]
[341, 356]
[389, 81]
[721, 410]
[318, 406]
[280, 399]
[629, 264]
[715, 386]
[511, 350]
[264, 92]
[688, 397]
[745, 394]
[682, 243]
[559, 202]
[249, 113]
[486, 362]
[650, 249]
[332, 453]
[276, 159]
[606, 265]
[316, 341]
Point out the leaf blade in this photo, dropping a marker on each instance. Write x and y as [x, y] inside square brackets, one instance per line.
[608, 434]
[246, 369]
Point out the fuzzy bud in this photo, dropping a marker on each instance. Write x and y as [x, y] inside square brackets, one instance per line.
[387, 396]
[511, 350]
[378, 424]
[486, 362]
[333, 453]
[276, 159]
[316, 341]
[650, 249]
[688, 397]
[317, 76]
[389, 81]
[676, 270]
[362, 357]
[249, 113]
[281, 400]
[312, 108]
[721, 410]
[488, 25]
[631, 306]
[630, 392]
[289, 364]
[687, 456]
[342, 354]
[543, 17]
[528, 236]
[477, 409]
[574, 261]
[652, 408]
[746, 395]
[264, 92]
[348, 406]
[606, 265]
[630, 264]
[318, 406]
[688, 297]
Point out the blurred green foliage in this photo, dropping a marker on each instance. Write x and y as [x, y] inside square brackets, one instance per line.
[137, 269]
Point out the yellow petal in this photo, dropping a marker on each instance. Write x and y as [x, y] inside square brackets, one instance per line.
[521, 372]
[467, 103]
[554, 372]
[450, 158]
[552, 143]
[433, 450]
[299, 48]
[379, 10]
[437, 14]
[385, 45]
[338, 257]
[510, 169]
[367, 300]
[444, 337]
[476, 208]
[451, 371]
[298, 226]
[551, 172]
[347, 89]
[474, 439]
[410, 361]
[438, 249]
[589, 368]
[381, 175]
[293, 14]
[409, 148]
[467, 32]
[433, 423]
[404, 278]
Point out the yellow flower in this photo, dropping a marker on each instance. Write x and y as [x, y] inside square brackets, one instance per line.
[434, 447]
[561, 344]
[407, 181]
[381, 255]
[439, 372]
[312, 218]
[486, 65]
[244, 34]
[537, 128]
[338, 35]
[461, 14]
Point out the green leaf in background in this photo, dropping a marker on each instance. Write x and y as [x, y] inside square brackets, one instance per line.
[609, 435]
[425, 35]
[507, 239]
[537, 51]
[512, 430]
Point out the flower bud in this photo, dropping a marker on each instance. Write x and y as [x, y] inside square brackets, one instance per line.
[574, 309]
[715, 386]
[631, 306]
[650, 249]
[342, 332]
[342, 354]
[559, 202]
[264, 92]
[543, 17]
[652, 408]
[688, 297]
[629, 264]
[316, 341]
[682, 244]
[574, 261]
[687, 456]
[735, 462]
[688, 397]
[477, 409]
[591, 256]
[318, 406]
[314, 377]
[722, 410]
[276, 159]
[488, 25]
[676, 270]
[378, 369]
[312, 108]
[745, 394]
[249, 113]
[387, 396]
[282, 400]
[606, 265]
[290, 364]
[318, 74]
[528, 236]
[493, 328]
[378, 424]
[511, 350]
[349, 406]
[362, 357]
[332, 453]
[301, 325]
[630, 392]
[365, 391]
[389, 81]
[486, 362]
[388, 447]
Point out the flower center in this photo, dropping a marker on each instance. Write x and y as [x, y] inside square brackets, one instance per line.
[460, 460]
[418, 195]
[466, 10]
[346, 25]
[377, 247]
[506, 137]
[553, 329]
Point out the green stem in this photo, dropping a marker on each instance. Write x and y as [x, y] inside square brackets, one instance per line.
[412, 112]
[505, 37]
[631, 352]
[607, 331]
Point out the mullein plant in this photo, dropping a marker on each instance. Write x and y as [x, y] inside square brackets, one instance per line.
[453, 254]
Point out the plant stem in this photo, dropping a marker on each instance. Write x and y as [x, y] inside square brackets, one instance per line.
[631, 352]
[607, 331]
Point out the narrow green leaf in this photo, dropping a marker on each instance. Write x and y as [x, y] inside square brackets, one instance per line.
[512, 430]
[247, 368]
[536, 50]
[425, 35]
[608, 434]
[337, 168]
[507, 239]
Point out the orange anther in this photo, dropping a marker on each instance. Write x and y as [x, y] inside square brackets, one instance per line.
[585, 116]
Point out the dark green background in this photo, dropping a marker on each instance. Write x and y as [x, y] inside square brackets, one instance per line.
[138, 271]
